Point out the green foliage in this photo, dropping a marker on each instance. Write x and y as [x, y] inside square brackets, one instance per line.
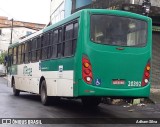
[2, 57]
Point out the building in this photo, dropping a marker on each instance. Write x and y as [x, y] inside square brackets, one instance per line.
[5, 37]
[60, 9]
[19, 29]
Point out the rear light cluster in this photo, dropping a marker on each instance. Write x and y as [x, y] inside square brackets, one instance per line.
[146, 75]
[87, 70]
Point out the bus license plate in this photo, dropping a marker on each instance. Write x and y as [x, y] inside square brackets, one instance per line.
[118, 82]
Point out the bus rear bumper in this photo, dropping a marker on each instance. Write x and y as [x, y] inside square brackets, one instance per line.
[88, 90]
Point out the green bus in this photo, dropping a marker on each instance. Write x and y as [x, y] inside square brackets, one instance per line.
[94, 53]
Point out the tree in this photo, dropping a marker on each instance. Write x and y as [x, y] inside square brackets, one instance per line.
[2, 57]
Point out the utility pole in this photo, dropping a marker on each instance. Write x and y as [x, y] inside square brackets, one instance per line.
[50, 18]
[11, 30]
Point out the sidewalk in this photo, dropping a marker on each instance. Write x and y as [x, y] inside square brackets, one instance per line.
[5, 77]
[155, 95]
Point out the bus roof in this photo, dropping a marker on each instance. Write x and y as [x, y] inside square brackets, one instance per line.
[13, 45]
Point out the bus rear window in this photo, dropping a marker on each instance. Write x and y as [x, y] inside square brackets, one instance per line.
[116, 30]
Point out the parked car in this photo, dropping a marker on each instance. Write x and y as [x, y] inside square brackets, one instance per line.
[2, 70]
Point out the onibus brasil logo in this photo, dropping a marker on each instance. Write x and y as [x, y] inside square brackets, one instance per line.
[27, 71]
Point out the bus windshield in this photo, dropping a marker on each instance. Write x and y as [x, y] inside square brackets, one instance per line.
[120, 31]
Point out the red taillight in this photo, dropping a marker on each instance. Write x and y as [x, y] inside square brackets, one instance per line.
[146, 74]
[87, 70]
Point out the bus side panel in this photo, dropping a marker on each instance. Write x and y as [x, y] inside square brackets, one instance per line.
[65, 84]
[59, 76]
[34, 76]
[51, 81]
[28, 77]
[59, 83]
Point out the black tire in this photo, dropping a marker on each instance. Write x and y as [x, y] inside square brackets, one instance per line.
[91, 101]
[43, 90]
[15, 91]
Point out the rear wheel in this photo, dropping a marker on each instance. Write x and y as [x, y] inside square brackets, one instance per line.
[91, 101]
[15, 91]
[44, 98]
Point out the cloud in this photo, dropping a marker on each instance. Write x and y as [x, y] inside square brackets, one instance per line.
[37, 11]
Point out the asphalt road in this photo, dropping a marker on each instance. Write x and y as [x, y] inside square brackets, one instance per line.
[29, 106]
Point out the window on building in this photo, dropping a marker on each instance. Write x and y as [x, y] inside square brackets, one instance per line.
[28, 33]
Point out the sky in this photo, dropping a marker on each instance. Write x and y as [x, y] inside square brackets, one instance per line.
[36, 11]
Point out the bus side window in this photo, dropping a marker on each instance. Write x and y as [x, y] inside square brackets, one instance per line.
[22, 55]
[15, 55]
[26, 53]
[75, 35]
[68, 40]
[29, 50]
[34, 46]
[19, 53]
[10, 55]
[54, 44]
[44, 46]
[38, 51]
[48, 46]
[60, 43]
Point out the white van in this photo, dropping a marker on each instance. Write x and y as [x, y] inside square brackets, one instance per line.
[2, 70]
